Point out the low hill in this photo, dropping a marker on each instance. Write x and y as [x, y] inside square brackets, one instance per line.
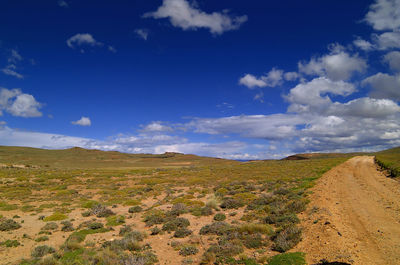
[389, 159]
[84, 158]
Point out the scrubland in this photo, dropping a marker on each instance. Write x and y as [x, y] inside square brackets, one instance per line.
[211, 212]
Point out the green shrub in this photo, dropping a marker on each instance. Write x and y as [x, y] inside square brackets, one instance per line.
[10, 243]
[219, 217]
[124, 230]
[95, 225]
[135, 209]
[175, 224]
[252, 240]
[42, 238]
[188, 250]
[115, 220]
[154, 217]
[256, 228]
[296, 258]
[178, 209]
[67, 226]
[41, 251]
[55, 217]
[231, 203]
[155, 231]
[8, 224]
[101, 211]
[217, 228]
[182, 232]
[287, 239]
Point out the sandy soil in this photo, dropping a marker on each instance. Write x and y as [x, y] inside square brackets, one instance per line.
[353, 216]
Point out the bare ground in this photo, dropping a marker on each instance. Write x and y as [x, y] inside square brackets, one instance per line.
[354, 216]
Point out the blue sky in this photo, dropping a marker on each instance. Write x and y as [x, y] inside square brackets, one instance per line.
[233, 79]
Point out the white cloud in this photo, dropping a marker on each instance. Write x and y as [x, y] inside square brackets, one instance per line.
[83, 121]
[384, 15]
[291, 76]
[393, 59]
[62, 3]
[19, 104]
[187, 16]
[387, 40]
[15, 57]
[307, 97]
[142, 33]
[11, 72]
[251, 81]
[363, 44]
[384, 86]
[272, 79]
[338, 65]
[82, 39]
[156, 127]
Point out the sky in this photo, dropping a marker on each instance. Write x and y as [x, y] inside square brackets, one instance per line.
[233, 79]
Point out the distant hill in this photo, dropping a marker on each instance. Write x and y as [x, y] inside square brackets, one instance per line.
[321, 155]
[86, 158]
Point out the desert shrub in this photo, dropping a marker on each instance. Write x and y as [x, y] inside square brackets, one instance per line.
[175, 224]
[155, 231]
[42, 238]
[10, 243]
[115, 220]
[182, 232]
[296, 258]
[230, 203]
[253, 240]
[135, 209]
[49, 226]
[217, 228]
[188, 250]
[282, 220]
[154, 217]
[206, 211]
[101, 211]
[86, 213]
[178, 209]
[89, 204]
[212, 203]
[94, 225]
[219, 217]
[226, 248]
[55, 217]
[41, 251]
[7, 207]
[145, 258]
[124, 230]
[281, 191]
[67, 226]
[297, 206]
[8, 224]
[287, 238]
[129, 242]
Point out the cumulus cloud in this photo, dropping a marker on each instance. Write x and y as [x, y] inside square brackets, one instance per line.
[82, 39]
[384, 15]
[387, 40]
[393, 59]
[338, 65]
[384, 85]
[187, 16]
[142, 33]
[83, 121]
[19, 104]
[271, 79]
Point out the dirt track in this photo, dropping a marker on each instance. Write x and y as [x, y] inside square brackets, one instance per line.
[354, 216]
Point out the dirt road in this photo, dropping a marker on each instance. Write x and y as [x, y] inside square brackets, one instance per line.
[354, 216]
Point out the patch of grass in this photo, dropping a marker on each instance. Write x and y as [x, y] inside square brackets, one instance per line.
[188, 250]
[49, 226]
[135, 209]
[7, 207]
[287, 239]
[10, 243]
[42, 238]
[296, 258]
[55, 217]
[115, 220]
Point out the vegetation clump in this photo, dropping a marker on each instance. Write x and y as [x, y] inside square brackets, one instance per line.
[287, 238]
[10, 243]
[41, 251]
[135, 209]
[55, 217]
[8, 224]
[219, 217]
[188, 250]
[49, 226]
[67, 226]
